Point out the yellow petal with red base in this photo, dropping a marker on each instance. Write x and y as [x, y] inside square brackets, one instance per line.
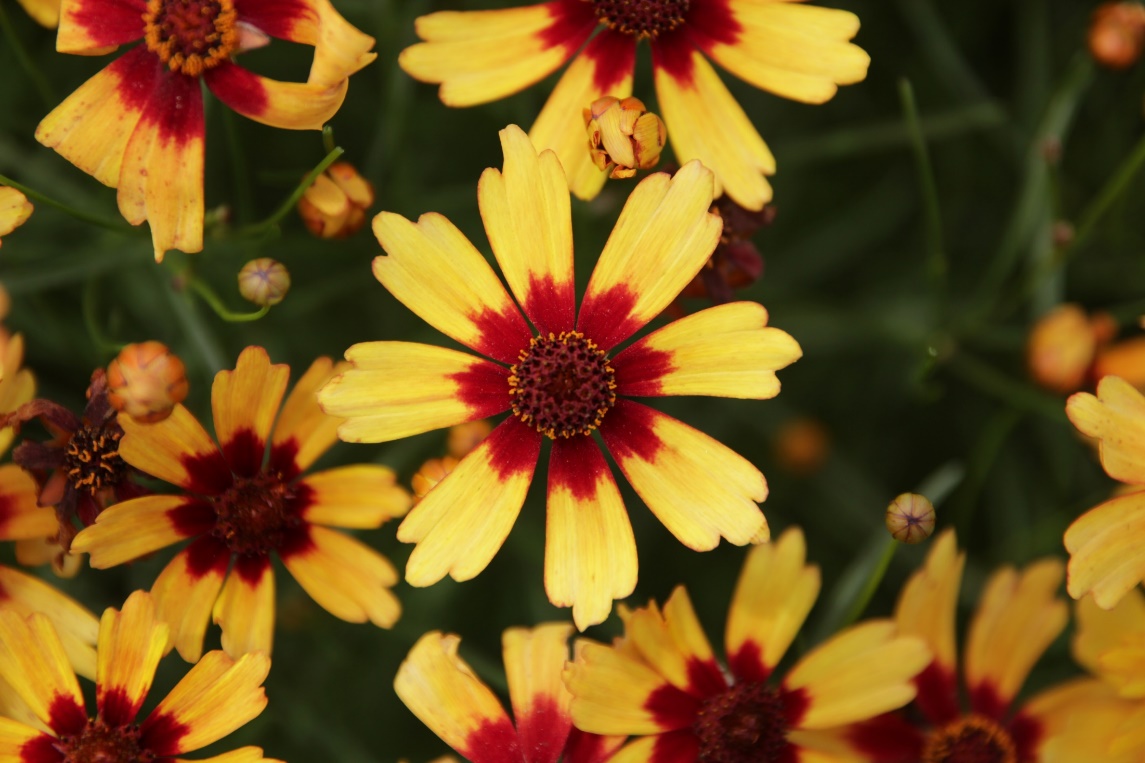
[929, 600]
[15, 209]
[14, 736]
[131, 642]
[773, 597]
[664, 236]
[346, 577]
[288, 105]
[1117, 418]
[245, 609]
[20, 517]
[705, 122]
[482, 56]
[245, 402]
[302, 425]
[700, 489]
[460, 525]
[609, 691]
[35, 665]
[525, 209]
[604, 67]
[93, 28]
[444, 693]
[674, 644]
[859, 673]
[186, 591]
[1080, 720]
[1107, 549]
[218, 695]
[725, 351]
[77, 628]
[361, 496]
[1104, 637]
[534, 660]
[171, 449]
[397, 389]
[434, 271]
[1018, 616]
[590, 552]
[131, 529]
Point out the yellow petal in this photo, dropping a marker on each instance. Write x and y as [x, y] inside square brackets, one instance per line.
[302, 426]
[1102, 632]
[133, 528]
[929, 600]
[92, 28]
[1117, 418]
[1107, 549]
[610, 691]
[534, 660]
[361, 496]
[15, 209]
[1080, 720]
[77, 627]
[20, 517]
[176, 450]
[674, 645]
[46, 13]
[14, 736]
[288, 105]
[131, 642]
[186, 591]
[241, 755]
[340, 49]
[35, 665]
[245, 609]
[245, 402]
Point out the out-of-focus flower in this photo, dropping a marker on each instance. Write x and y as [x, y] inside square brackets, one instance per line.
[146, 381]
[910, 518]
[663, 685]
[562, 383]
[448, 697]
[623, 136]
[216, 696]
[1117, 34]
[335, 204]
[794, 50]
[264, 281]
[241, 507]
[430, 474]
[15, 209]
[736, 262]
[1019, 614]
[1125, 359]
[1107, 543]
[1063, 345]
[1110, 644]
[138, 125]
[801, 445]
[463, 438]
[46, 13]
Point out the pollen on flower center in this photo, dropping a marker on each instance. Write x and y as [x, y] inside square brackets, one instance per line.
[641, 18]
[91, 458]
[100, 743]
[562, 385]
[255, 515]
[190, 35]
[973, 739]
[745, 724]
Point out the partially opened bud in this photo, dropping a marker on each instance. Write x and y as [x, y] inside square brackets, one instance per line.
[431, 472]
[1125, 359]
[623, 136]
[1117, 34]
[465, 437]
[146, 381]
[264, 281]
[910, 518]
[335, 205]
[1060, 349]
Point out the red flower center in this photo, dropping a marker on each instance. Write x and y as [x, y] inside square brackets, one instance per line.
[745, 724]
[91, 458]
[100, 743]
[256, 514]
[641, 18]
[190, 35]
[973, 739]
[563, 385]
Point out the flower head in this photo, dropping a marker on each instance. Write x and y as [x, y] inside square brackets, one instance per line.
[146, 381]
[138, 125]
[15, 209]
[335, 205]
[623, 136]
[663, 685]
[238, 504]
[793, 50]
[565, 381]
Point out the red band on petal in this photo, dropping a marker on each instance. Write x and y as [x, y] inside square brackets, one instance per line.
[42, 749]
[65, 717]
[238, 88]
[747, 663]
[888, 738]
[613, 57]
[986, 700]
[629, 433]
[938, 694]
[207, 473]
[492, 742]
[672, 708]
[484, 387]
[675, 747]
[207, 555]
[244, 452]
[251, 568]
[639, 370]
[116, 708]
[606, 318]
[275, 17]
[573, 21]
[542, 731]
[513, 449]
[576, 464]
[160, 734]
[705, 679]
[1027, 733]
[550, 306]
[108, 22]
[711, 22]
[501, 336]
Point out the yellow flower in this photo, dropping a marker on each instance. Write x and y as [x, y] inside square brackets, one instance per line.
[562, 382]
[663, 684]
[794, 50]
[238, 507]
[15, 209]
[448, 697]
[216, 696]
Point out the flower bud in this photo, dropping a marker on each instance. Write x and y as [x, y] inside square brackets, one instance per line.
[431, 472]
[801, 446]
[264, 281]
[910, 518]
[146, 381]
[1060, 349]
[335, 205]
[1125, 359]
[14, 209]
[1117, 34]
[623, 136]
[465, 437]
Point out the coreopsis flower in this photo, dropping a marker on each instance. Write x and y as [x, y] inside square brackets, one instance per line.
[790, 49]
[440, 688]
[264, 281]
[15, 209]
[146, 381]
[623, 136]
[239, 507]
[335, 204]
[663, 685]
[1019, 614]
[1117, 34]
[138, 125]
[216, 696]
[564, 382]
[1107, 544]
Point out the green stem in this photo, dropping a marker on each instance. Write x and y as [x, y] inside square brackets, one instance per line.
[937, 256]
[328, 142]
[216, 304]
[86, 217]
[272, 221]
[243, 196]
[1110, 193]
[26, 62]
[859, 605]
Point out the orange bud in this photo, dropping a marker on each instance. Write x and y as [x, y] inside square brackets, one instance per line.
[623, 136]
[335, 205]
[801, 446]
[1125, 359]
[431, 472]
[146, 381]
[465, 437]
[1117, 34]
[910, 518]
[1060, 349]
[264, 281]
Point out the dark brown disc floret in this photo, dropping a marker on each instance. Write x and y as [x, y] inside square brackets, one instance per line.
[191, 35]
[256, 514]
[563, 385]
[973, 739]
[101, 743]
[641, 18]
[748, 723]
[91, 458]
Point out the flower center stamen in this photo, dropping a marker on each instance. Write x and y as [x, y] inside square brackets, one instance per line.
[973, 739]
[91, 458]
[562, 385]
[100, 743]
[255, 515]
[641, 18]
[191, 36]
[745, 724]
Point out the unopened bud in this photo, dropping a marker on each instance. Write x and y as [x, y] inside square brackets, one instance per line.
[801, 446]
[465, 437]
[264, 281]
[1117, 34]
[335, 205]
[623, 136]
[146, 381]
[431, 472]
[910, 518]
[1060, 349]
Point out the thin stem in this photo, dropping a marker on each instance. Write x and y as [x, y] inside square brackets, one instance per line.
[871, 584]
[216, 304]
[272, 221]
[243, 196]
[86, 217]
[937, 254]
[1110, 193]
[26, 62]
[328, 142]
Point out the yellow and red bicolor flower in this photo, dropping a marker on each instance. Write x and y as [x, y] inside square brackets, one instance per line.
[663, 684]
[216, 696]
[437, 685]
[15, 209]
[138, 125]
[241, 506]
[790, 49]
[1019, 614]
[560, 381]
[1107, 543]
